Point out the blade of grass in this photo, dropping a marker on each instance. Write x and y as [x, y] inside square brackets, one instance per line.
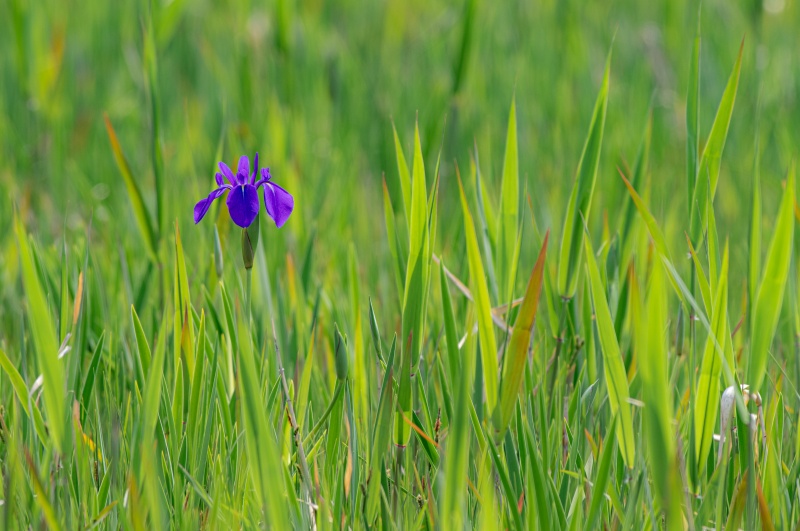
[617, 382]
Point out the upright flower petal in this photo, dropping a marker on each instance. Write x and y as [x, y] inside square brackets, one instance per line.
[243, 174]
[203, 205]
[227, 172]
[279, 203]
[255, 170]
[243, 204]
[220, 179]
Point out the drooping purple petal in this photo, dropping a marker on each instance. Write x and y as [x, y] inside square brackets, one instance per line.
[255, 170]
[243, 204]
[243, 173]
[203, 205]
[266, 177]
[226, 171]
[279, 203]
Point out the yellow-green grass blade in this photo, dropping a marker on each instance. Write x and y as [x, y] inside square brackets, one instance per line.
[29, 406]
[616, 379]
[517, 351]
[453, 501]
[706, 403]
[580, 201]
[403, 175]
[380, 442]
[603, 475]
[708, 169]
[140, 211]
[508, 225]
[754, 263]
[45, 344]
[628, 211]
[263, 452]
[151, 398]
[394, 244]
[770, 292]
[651, 336]
[692, 116]
[480, 293]
[187, 339]
[702, 281]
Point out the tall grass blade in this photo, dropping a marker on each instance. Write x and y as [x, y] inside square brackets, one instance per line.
[769, 299]
[483, 306]
[708, 169]
[580, 200]
[45, 344]
[616, 379]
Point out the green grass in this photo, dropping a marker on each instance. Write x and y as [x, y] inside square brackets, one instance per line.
[533, 245]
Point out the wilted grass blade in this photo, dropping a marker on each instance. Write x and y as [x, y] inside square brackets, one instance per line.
[517, 351]
[142, 215]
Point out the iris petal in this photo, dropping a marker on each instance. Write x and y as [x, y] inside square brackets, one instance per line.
[279, 203]
[203, 205]
[243, 204]
[227, 172]
[243, 173]
[255, 170]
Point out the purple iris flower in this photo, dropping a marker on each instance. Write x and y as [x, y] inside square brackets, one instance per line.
[243, 197]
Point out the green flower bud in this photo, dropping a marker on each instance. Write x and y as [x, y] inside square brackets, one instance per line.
[249, 244]
[340, 354]
[217, 253]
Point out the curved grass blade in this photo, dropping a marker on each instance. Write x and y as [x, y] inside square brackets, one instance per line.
[140, 211]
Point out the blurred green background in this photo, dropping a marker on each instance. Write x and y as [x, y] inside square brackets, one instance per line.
[314, 87]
